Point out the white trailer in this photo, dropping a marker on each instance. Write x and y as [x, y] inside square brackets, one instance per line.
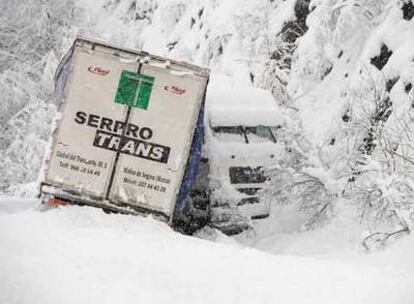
[129, 133]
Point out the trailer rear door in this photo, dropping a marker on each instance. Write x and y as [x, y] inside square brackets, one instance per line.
[149, 174]
[75, 163]
[126, 128]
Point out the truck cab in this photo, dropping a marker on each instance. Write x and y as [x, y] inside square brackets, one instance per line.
[241, 128]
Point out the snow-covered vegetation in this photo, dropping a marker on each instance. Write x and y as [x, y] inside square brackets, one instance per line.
[31, 36]
[342, 71]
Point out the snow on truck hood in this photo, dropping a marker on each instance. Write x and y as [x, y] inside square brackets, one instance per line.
[229, 105]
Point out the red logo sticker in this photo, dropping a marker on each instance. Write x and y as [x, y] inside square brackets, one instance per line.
[174, 89]
[98, 71]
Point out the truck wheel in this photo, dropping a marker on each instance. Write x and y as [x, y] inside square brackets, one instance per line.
[195, 214]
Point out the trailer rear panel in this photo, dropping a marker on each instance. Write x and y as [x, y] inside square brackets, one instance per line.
[126, 127]
[171, 115]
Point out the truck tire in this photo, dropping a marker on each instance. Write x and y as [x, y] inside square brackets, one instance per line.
[194, 214]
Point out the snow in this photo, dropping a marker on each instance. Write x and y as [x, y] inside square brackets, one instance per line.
[9, 205]
[82, 255]
[237, 105]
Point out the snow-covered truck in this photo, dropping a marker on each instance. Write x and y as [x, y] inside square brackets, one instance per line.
[130, 130]
[241, 128]
[241, 136]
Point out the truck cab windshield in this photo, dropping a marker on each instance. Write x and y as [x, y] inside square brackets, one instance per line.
[242, 134]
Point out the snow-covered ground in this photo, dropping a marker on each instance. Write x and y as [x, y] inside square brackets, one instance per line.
[82, 255]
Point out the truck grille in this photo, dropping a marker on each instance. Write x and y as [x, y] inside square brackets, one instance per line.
[248, 191]
[247, 175]
[248, 201]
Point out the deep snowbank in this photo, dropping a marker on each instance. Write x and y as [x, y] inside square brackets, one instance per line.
[82, 255]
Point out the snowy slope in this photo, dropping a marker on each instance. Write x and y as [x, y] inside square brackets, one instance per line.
[81, 255]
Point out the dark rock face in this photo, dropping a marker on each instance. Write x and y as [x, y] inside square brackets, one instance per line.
[301, 12]
[381, 60]
[408, 87]
[346, 117]
[390, 83]
[408, 10]
[294, 29]
[290, 32]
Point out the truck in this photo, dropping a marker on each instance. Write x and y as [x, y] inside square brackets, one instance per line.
[242, 124]
[129, 132]
[134, 136]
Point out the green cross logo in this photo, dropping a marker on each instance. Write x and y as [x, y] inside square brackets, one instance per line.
[134, 90]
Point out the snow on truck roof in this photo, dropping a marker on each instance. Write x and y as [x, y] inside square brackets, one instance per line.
[241, 106]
